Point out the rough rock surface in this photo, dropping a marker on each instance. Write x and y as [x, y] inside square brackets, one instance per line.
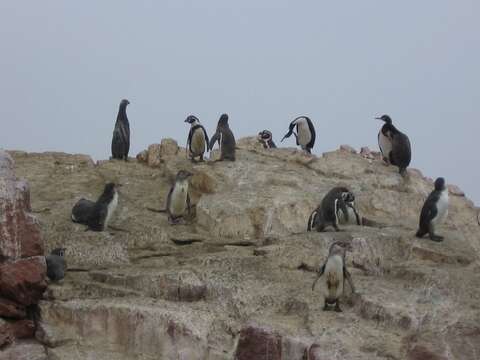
[236, 282]
[22, 265]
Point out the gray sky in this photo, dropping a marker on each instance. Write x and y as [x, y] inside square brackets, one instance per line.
[65, 66]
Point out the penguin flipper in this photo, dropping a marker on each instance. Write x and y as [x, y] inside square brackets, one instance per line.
[320, 273]
[215, 138]
[429, 211]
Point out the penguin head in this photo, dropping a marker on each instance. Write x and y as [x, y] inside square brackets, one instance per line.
[440, 184]
[264, 136]
[124, 103]
[385, 118]
[109, 189]
[192, 119]
[339, 247]
[58, 252]
[223, 120]
[348, 197]
[183, 175]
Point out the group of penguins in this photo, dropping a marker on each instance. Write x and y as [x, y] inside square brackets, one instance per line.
[337, 206]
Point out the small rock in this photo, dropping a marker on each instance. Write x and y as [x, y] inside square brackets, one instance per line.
[455, 190]
[259, 343]
[142, 156]
[168, 147]
[153, 155]
[365, 151]
[348, 148]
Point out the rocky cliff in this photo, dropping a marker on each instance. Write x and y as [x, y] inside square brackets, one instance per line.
[236, 282]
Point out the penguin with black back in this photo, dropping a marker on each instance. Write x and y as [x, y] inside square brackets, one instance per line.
[265, 138]
[121, 133]
[394, 145]
[56, 264]
[335, 271]
[434, 211]
[97, 215]
[305, 135]
[326, 213]
[225, 139]
[197, 141]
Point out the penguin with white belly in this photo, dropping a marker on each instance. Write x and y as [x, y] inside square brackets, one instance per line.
[197, 142]
[394, 145]
[434, 211]
[336, 273]
[305, 134]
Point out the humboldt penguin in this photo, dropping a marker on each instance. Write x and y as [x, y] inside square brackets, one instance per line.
[225, 139]
[56, 264]
[336, 272]
[197, 141]
[394, 145]
[305, 134]
[327, 213]
[121, 133]
[97, 215]
[178, 199]
[265, 137]
[353, 216]
[434, 211]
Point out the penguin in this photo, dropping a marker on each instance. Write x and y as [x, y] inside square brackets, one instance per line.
[265, 137]
[394, 145]
[56, 264]
[336, 273]
[353, 216]
[197, 141]
[178, 199]
[121, 133]
[225, 139]
[327, 213]
[434, 211]
[97, 215]
[305, 134]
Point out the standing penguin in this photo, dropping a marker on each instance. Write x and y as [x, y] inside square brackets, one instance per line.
[394, 145]
[336, 272]
[56, 264]
[265, 137]
[121, 133]
[305, 134]
[97, 214]
[225, 139]
[434, 211]
[334, 202]
[197, 141]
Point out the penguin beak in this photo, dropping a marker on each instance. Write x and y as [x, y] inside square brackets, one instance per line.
[378, 118]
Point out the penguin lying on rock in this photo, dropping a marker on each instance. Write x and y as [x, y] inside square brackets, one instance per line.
[97, 215]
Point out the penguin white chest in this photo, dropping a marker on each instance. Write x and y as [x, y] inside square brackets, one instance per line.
[442, 208]
[334, 276]
[111, 208]
[178, 200]
[304, 135]
[197, 144]
[385, 145]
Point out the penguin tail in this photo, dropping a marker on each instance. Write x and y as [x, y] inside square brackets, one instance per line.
[403, 171]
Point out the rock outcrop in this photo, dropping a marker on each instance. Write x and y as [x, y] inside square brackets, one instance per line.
[22, 265]
[236, 282]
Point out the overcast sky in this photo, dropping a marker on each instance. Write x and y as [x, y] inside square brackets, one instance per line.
[65, 66]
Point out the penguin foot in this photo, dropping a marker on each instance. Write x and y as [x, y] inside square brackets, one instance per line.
[337, 308]
[436, 238]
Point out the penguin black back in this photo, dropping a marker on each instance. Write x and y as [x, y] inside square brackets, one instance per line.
[434, 210]
[225, 138]
[121, 133]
